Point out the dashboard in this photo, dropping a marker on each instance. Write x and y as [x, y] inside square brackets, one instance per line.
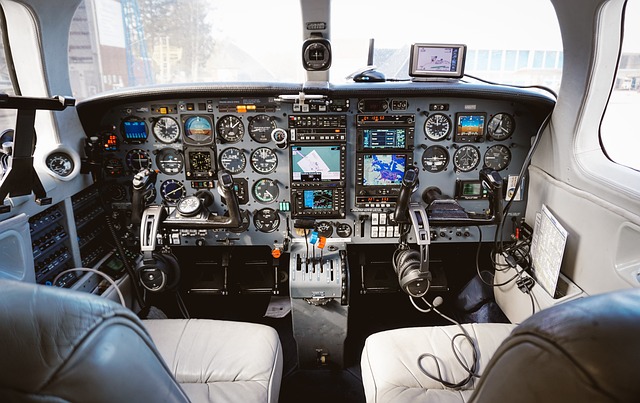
[331, 159]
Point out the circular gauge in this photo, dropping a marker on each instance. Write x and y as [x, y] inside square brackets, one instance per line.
[198, 130]
[233, 160]
[137, 160]
[172, 190]
[189, 206]
[466, 158]
[501, 126]
[113, 167]
[343, 230]
[264, 160]
[497, 157]
[244, 224]
[324, 228]
[166, 129]
[265, 191]
[260, 128]
[435, 159]
[266, 220]
[116, 193]
[230, 128]
[437, 126]
[170, 161]
[60, 163]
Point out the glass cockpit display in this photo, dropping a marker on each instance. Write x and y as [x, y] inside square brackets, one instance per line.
[384, 138]
[383, 169]
[317, 163]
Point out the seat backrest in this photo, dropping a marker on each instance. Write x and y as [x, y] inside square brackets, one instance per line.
[586, 350]
[65, 345]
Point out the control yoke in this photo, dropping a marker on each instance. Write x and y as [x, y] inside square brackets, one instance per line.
[203, 219]
[443, 210]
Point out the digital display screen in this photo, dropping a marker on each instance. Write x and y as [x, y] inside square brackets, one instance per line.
[384, 138]
[470, 125]
[383, 169]
[434, 60]
[318, 199]
[134, 130]
[316, 163]
[472, 189]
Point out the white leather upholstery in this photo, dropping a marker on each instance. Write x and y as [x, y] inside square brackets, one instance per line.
[237, 362]
[390, 371]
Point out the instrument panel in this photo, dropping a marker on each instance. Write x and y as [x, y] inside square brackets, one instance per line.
[336, 160]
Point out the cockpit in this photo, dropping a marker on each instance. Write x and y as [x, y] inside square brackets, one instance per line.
[363, 182]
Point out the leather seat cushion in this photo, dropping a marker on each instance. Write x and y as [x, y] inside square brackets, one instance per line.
[236, 362]
[390, 371]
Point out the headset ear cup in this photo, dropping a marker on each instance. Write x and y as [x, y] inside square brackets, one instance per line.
[410, 277]
[172, 269]
[160, 272]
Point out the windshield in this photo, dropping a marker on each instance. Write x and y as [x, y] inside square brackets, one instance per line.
[127, 43]
[515, 42]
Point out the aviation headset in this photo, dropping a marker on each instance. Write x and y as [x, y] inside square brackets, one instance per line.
[157, 271]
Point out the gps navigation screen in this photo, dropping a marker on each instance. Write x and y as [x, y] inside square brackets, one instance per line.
[383, 169]
[315, 163]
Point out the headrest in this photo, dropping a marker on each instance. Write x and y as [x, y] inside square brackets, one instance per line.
[49, 321]
[583, 350]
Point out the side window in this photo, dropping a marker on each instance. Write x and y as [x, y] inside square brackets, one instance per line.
[619, 133]
[7, 116]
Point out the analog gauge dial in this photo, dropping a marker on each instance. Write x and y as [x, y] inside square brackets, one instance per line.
[233, 160]
[435, 159]
[230, 128]
[260, 128]
[466, 158]
[198, 130]
[437, 127]
[170, 161]
[60, 163]
[137, 160]
[189, 206]
[113, 167]
[497, 157]
[265, 191]
[501, 126]
[166, 129]
[324, 228]
[200, 161]
[343, 230]
[172, 190]
[264, 160]
[266, 220]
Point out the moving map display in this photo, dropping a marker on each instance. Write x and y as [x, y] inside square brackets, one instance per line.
[383, 169]
[315, 163]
